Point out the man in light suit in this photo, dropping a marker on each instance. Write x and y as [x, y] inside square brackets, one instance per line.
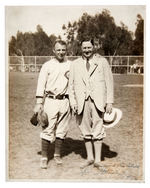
[90, 95]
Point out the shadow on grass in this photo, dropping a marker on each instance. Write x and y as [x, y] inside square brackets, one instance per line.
[106, 152]
[78, 147]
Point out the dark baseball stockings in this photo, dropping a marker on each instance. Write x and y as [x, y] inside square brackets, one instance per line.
[45, 146]
[58, 145]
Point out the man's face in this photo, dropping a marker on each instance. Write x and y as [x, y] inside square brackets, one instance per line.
[87, 49]
[60, 51]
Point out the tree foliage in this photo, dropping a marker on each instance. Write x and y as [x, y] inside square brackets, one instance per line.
[113, 39]
[31, 44]
[138, 43]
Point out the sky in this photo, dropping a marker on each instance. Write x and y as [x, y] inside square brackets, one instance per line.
[51, 18]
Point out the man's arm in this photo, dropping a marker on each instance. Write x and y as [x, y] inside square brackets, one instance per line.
[109, 86]
[40, 89]
[72, 98]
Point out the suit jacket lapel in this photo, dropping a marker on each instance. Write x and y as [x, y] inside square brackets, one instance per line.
[93, 66]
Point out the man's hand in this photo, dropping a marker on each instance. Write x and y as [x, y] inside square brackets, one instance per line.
[74, 108]
[37, 108]
[109, 108]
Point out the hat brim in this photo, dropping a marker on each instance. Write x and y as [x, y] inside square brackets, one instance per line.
[118, 118]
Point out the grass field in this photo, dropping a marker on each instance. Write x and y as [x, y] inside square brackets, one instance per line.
[122, 150]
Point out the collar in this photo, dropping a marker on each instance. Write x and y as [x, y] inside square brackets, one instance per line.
[63, 61]
[91, 59]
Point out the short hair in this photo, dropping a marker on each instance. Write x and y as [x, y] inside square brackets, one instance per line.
[86, 40]
[62, 42]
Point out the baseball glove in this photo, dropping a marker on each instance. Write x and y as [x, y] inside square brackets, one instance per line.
[34, 119]
[40, 118]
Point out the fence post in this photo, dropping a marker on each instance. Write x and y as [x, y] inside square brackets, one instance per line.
[35, 62]
[9, 63]
[128, 65]
[110, 60]
[22, 64]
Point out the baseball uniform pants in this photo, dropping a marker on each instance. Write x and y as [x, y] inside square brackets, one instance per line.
[58, 112]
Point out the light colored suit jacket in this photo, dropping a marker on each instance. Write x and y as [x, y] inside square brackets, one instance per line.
[101, 83]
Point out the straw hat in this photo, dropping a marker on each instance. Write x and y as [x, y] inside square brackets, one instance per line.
[110, 120]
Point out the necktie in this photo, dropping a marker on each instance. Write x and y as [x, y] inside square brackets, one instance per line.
[87, 64]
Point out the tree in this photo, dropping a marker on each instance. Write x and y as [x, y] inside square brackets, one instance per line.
[12, 46]
[138, 43]
[42, 42]
[70, 32]
[52, 39]
[113, 40]
[32, 44]
[124, 41]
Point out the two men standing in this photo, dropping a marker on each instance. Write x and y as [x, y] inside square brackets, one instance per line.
[90, 94]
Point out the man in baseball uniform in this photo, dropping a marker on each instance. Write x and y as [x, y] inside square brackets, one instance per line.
[91, 94]
[53, 84]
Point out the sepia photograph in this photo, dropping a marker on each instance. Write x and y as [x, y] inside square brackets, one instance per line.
[75, 93]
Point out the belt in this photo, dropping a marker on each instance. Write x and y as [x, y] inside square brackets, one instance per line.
[60, 97]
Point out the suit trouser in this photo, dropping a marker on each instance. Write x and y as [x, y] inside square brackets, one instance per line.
[91, 121]
[58, 112]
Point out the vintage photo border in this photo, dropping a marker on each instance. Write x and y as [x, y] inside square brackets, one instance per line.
[146, 89]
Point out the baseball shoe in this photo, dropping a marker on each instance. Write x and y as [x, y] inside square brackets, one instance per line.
[58, 160]
[43, 163]
[87, 163]
[97, 165]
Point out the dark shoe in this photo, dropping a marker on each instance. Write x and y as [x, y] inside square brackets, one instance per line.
[58, 160]
[43, 163]
[87, 163]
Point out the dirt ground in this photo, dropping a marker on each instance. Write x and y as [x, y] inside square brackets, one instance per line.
[122, 150]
